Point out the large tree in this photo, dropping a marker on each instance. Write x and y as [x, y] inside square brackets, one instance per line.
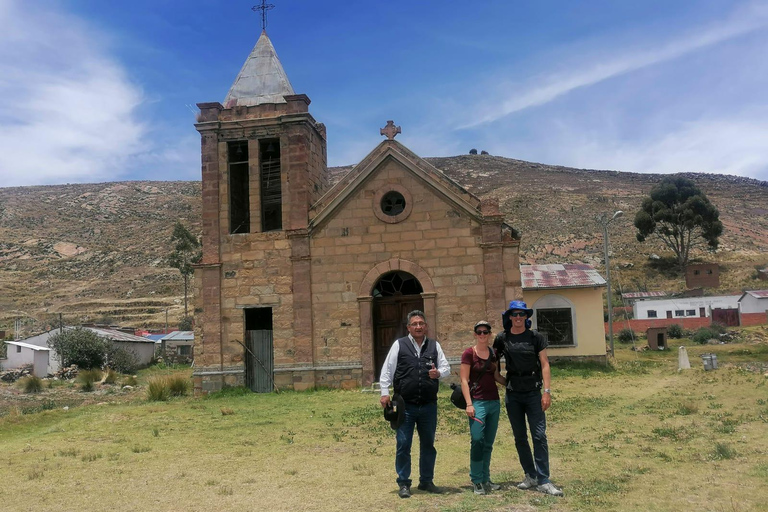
[681, 216]
[186, 252]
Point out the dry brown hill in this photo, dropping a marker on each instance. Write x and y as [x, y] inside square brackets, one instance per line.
[97, 251]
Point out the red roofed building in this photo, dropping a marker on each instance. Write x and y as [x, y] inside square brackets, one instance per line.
[567, 303]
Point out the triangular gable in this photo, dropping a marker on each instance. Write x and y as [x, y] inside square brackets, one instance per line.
[433, 178]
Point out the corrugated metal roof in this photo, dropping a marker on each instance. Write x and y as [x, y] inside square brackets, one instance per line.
[552, 276]
[27, 345]
[179, 336]
[758, 294]
[642, 295]
[118, 335]
[261, 79]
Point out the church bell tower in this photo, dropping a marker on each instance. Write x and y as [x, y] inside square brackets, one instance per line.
[263, 165]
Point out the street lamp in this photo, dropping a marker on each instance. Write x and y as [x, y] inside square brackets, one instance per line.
[604, 221]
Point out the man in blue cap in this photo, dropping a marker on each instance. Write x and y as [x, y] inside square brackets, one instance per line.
[528, 394]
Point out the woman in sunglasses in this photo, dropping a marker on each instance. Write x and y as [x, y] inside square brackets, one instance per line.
[528, 395]
[478, 384]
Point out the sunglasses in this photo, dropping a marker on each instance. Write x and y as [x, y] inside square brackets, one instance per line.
[518, 313]
[482, 332]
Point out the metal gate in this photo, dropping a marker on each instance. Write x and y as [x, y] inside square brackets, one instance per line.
[728, 317]
[259, 361]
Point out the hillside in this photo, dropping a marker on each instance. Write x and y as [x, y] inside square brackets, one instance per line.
[96, 252]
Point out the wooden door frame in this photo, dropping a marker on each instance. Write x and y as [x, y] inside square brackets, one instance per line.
[365, 305]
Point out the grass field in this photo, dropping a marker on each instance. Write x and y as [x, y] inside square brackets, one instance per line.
[636, 436]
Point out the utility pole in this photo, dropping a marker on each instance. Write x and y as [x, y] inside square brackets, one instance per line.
[604, 221]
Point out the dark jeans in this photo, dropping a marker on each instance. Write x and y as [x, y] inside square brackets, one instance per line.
[519, 405]
[424, 418]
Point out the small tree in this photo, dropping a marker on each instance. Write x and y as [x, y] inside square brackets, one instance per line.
[681, 216]
[80, 346]
[187, 323]
[186, 252]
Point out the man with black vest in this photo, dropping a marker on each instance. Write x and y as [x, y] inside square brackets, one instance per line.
[528, 395]
[414, 365]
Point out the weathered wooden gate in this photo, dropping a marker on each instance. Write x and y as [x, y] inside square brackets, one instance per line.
[729, 317]
[259, 361]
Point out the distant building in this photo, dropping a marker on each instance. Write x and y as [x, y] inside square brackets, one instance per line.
[702, 275]
[36, 351]
[683, 307]
[632, 297]
[567, 303]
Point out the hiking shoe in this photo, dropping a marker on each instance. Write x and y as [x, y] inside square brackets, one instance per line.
[478, 488]
[549, 488]
[430, 487]
[490, 486]
[405, 491]
[528, 483]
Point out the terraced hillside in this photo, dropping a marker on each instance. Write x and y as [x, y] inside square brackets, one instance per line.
[97, 252]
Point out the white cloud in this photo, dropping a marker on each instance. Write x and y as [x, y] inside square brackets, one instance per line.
[723, 146]
[548, 88]
[67, 109]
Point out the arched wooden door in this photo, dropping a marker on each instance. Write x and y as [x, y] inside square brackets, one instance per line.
[394, 296]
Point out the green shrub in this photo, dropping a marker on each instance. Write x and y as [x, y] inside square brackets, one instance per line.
[122, 360]
[626, 336]
[703, 335]
[31, 384]
[80, 346]
[178, 385]
[129, 380]
[158, 390]
[718, 328]
[111, 377]
[675, 331]
[87, 378]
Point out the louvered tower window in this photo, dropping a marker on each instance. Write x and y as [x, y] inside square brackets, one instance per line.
[239, 193]
[271, 190]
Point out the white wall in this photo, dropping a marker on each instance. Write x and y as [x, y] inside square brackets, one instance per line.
[750, 304]
[640, 309]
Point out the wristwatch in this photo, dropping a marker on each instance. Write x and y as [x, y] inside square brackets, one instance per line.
[547, 390]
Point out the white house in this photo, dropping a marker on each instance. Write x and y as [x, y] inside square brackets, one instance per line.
[755, 301]
[683, 307]
[36, 351]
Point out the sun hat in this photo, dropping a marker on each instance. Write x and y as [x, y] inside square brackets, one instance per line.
[394, 412]
[513, 305]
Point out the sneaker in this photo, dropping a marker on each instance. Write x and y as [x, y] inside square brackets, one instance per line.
[405, 491]
[528, 483]
[490, 486]
[430, 487]
[479, 488]
[549, 488]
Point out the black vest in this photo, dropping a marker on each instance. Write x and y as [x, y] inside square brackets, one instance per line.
[523, 365]
[411, 379]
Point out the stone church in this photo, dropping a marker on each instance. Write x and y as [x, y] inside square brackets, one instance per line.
[305, 284]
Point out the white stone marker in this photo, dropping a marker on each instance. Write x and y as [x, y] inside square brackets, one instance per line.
[682, 359]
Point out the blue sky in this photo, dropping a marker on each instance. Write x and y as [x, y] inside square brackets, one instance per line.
[94, 90]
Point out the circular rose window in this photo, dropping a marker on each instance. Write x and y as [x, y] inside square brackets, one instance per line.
[392, 203]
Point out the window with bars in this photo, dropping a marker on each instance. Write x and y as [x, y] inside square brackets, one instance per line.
[651, 313]
[239, 187]
[556, 325]
[271, 188]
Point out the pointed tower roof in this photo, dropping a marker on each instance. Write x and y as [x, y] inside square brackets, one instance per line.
[262, 78]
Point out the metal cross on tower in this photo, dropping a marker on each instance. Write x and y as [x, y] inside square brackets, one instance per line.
[264, 7]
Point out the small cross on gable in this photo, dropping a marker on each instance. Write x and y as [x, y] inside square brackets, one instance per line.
[390, 130]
